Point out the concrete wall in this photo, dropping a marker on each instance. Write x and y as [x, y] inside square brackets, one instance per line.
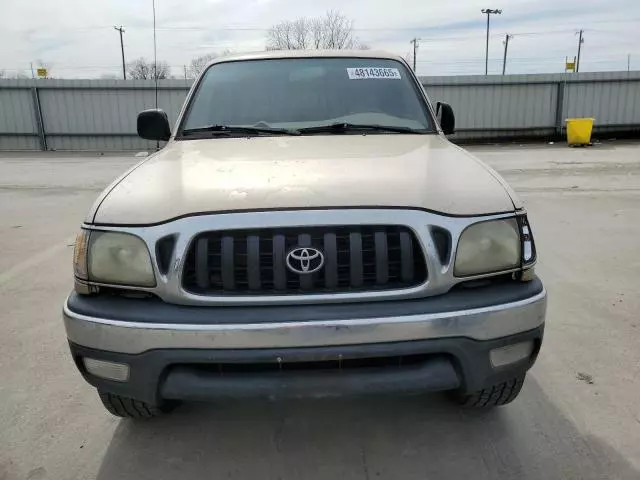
[100, 114]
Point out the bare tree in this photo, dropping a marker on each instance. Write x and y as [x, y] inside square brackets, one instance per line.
[333, 31]
[163, 71]
[300, 33]
[339, 31]
[317, 32]
[281, 36]
[197, 64]
[141, 69]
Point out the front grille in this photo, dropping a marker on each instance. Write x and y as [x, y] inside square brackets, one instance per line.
[253, 262]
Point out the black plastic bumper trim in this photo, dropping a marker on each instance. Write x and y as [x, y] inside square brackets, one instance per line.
[183, 383]
[173, 373]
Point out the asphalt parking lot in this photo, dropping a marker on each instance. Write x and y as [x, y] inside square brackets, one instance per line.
[577, 417]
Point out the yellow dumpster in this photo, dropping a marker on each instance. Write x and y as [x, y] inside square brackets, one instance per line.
[579, 131]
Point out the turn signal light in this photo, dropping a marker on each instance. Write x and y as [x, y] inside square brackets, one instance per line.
[105, 369]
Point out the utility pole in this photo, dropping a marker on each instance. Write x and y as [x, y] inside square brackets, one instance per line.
[506, 46]
[488, 12]
[580, 42]
[628, 62]
[185, 72]
[33, 75]
[124, 70]
[415, 48]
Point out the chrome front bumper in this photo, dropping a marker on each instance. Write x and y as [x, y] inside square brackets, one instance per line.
[485, 323]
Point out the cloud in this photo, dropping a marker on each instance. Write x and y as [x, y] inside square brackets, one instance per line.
[76, 37]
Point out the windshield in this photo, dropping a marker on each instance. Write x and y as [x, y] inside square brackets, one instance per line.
[308, 92]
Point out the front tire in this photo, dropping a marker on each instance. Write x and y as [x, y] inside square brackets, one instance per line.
[129, 408]
[493, 396]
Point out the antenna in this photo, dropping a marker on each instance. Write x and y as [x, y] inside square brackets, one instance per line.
[155, 51]
[155, 60]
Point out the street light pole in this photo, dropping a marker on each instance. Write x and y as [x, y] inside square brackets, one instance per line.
[124, 71]
[488, 12]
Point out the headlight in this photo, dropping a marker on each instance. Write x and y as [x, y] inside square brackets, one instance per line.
[119, 258]
[488, 247]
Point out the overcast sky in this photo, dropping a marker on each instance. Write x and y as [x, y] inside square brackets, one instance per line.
[76, 37]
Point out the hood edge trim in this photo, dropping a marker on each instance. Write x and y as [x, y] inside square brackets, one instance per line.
[289, 209]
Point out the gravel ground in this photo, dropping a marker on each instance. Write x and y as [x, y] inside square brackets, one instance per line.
[577, 417]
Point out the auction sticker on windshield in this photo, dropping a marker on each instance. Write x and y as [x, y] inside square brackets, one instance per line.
[373, 72]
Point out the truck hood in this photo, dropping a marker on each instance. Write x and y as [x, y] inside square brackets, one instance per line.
[262, 173]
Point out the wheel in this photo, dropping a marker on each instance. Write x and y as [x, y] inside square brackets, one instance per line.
[493, 396]
[130, 408]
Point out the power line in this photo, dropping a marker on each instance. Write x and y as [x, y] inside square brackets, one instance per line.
[544, 60]
[543, 32]
[441, 38]
[463, 61]
[92, 29]
[604, 58]
[356, 29]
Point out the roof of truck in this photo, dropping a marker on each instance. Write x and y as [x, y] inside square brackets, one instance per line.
[271, 54]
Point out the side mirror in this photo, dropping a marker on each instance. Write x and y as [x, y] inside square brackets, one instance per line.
[445, 116]
[153, 124]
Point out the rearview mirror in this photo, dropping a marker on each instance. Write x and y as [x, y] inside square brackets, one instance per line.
[153, 124]
[446, 118]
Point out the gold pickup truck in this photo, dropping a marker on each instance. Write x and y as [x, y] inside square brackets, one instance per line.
[307, 230]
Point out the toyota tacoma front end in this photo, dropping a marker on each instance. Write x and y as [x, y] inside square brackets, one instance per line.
[308, 230]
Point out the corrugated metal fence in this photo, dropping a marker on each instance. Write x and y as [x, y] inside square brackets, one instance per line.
[81, 114]
[101, 114]
[537, 105]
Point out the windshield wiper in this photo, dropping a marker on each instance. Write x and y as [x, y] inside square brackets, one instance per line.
[345, 127]
[232, 129]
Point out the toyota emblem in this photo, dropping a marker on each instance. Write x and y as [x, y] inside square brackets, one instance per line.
[304, 260]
